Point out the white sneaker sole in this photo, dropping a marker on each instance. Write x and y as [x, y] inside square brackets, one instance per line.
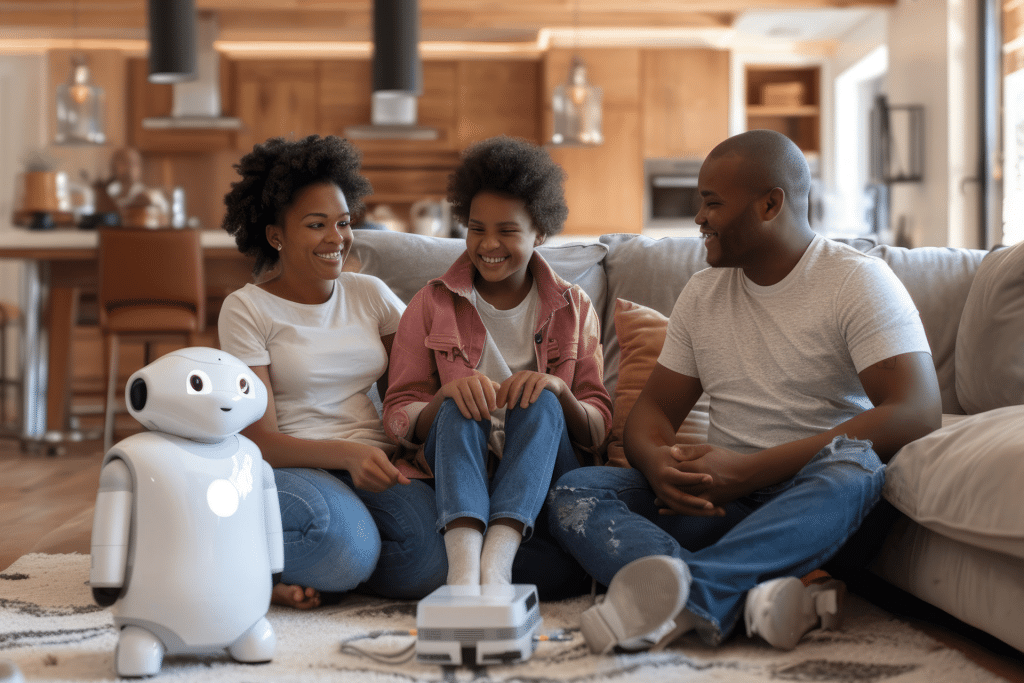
[642, 596]
[783, 610]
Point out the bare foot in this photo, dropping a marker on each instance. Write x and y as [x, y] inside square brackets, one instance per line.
[295, 596]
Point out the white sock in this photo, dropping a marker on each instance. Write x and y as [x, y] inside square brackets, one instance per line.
[462, 544]
[500, 547]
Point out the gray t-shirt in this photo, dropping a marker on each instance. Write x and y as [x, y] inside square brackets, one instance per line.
[780, 363]
[322, 358]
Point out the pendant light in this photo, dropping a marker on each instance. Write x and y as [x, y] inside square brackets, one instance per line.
[79, 104]
[172, 41]
[576, 104]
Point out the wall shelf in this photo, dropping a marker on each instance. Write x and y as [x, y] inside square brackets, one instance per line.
[786, 99]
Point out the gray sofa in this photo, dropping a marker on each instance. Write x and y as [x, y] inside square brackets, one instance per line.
[958, 543]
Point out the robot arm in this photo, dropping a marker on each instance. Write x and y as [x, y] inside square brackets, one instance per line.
[272, 514]
[110, 526]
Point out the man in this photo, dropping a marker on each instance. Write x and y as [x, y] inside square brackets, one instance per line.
[818, 370]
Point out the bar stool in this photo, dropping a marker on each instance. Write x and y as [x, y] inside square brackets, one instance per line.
[151, 287]
[10, 317]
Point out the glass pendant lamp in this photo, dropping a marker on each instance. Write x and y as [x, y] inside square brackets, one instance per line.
[80, 108]
[577, 108]
[79, 104]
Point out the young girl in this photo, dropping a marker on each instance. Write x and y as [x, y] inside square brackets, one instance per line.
[319, 338]
[498, 356]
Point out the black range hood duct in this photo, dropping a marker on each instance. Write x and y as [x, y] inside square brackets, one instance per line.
[397, 75]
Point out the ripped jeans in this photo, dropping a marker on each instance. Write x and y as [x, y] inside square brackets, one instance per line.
[605, 517]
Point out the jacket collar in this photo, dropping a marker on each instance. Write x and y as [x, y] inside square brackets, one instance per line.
[550, 287]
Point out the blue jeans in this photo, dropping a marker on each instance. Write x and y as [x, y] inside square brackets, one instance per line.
[330, 540]
[605, 517]
[412, 561]
[537, 450]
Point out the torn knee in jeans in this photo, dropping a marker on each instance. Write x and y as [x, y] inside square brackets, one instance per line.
[572, 513]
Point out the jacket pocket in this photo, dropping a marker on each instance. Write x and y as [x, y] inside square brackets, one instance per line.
[558, 352]
[444, 345]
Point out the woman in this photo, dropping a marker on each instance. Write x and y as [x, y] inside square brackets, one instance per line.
[319, 338]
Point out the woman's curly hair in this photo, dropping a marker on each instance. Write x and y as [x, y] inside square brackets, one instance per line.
[273, 173]
[516, 168]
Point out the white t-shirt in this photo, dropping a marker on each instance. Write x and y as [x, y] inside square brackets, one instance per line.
[322, 358]
[508, 349]
[780, 363]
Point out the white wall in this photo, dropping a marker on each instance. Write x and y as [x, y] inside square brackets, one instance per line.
[933, 62]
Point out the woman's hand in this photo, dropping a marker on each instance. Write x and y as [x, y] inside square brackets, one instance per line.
[524, 387]
[474, 395]
[371, 470]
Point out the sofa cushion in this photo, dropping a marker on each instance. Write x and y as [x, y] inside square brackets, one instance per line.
[990, 340]
[650, 272]
[964, 480]
[406, 262]
[641, 334]
[938, 280]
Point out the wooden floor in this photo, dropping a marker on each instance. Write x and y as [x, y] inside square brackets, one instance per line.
[39, 493]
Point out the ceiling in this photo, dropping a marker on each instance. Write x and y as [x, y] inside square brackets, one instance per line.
[564, 21]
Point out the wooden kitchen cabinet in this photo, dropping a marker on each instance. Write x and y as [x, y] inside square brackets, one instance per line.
[685, 95]
[276, 98]
[498, 97]
[147, 99]
[786, 99]
[604, 184]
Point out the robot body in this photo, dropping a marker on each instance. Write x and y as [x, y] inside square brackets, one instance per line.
[187, 530]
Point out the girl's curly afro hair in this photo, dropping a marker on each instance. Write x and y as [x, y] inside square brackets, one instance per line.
[273, 173]
[516, 168]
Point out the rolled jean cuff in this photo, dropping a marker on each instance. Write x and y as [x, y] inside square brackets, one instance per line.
[442, 522]
[527, 523]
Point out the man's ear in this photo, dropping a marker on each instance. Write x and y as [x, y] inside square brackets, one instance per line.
[773, 203]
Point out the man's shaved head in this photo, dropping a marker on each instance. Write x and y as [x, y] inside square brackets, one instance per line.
[770, 160]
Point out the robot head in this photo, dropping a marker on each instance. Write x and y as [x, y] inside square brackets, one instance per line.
[197, 393]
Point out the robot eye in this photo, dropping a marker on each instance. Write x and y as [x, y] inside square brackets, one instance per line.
[198, 383]
[244, 386]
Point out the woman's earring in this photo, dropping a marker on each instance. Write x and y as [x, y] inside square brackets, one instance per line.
[277, 246]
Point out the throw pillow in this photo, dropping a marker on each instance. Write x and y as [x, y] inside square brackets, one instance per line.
[964, 480]
[990, 339]
[641, 333]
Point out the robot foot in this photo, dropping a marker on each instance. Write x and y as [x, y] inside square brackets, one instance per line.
[139, 652]
[256, 645]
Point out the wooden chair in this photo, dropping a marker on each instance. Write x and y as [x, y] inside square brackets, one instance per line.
[151, 287]
[10, 387]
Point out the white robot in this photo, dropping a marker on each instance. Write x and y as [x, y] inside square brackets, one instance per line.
[187, 528]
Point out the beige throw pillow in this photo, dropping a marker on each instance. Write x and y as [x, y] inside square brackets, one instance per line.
[990, 339]
[641, 334]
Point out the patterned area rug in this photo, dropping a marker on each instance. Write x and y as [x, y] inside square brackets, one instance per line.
[50, 627]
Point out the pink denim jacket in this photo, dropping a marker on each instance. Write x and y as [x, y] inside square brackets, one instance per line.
[441, 338]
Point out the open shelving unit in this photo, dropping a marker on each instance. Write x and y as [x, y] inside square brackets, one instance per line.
[786, 99]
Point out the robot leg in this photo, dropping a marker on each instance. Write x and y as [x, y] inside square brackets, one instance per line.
[139, 652]
[255, 645]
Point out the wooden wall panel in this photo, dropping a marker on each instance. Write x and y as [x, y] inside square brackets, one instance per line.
[498, 97]
[685, 101]
[276, 98]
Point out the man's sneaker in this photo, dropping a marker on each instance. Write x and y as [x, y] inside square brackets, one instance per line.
[642, 597]
[782, 610]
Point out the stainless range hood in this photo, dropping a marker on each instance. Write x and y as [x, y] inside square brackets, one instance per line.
[397, 75]
[196, 103]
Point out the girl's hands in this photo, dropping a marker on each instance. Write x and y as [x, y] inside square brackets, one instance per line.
[371, 470]
[474, 395]
[524, 387]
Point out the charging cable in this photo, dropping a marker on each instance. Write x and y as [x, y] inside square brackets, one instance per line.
[408, 652]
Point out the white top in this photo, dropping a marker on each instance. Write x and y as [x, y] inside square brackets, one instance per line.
[780, 363]
[322, 358]
[508, 349]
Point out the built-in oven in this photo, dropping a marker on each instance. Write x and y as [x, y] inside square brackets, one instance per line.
[671, 199]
